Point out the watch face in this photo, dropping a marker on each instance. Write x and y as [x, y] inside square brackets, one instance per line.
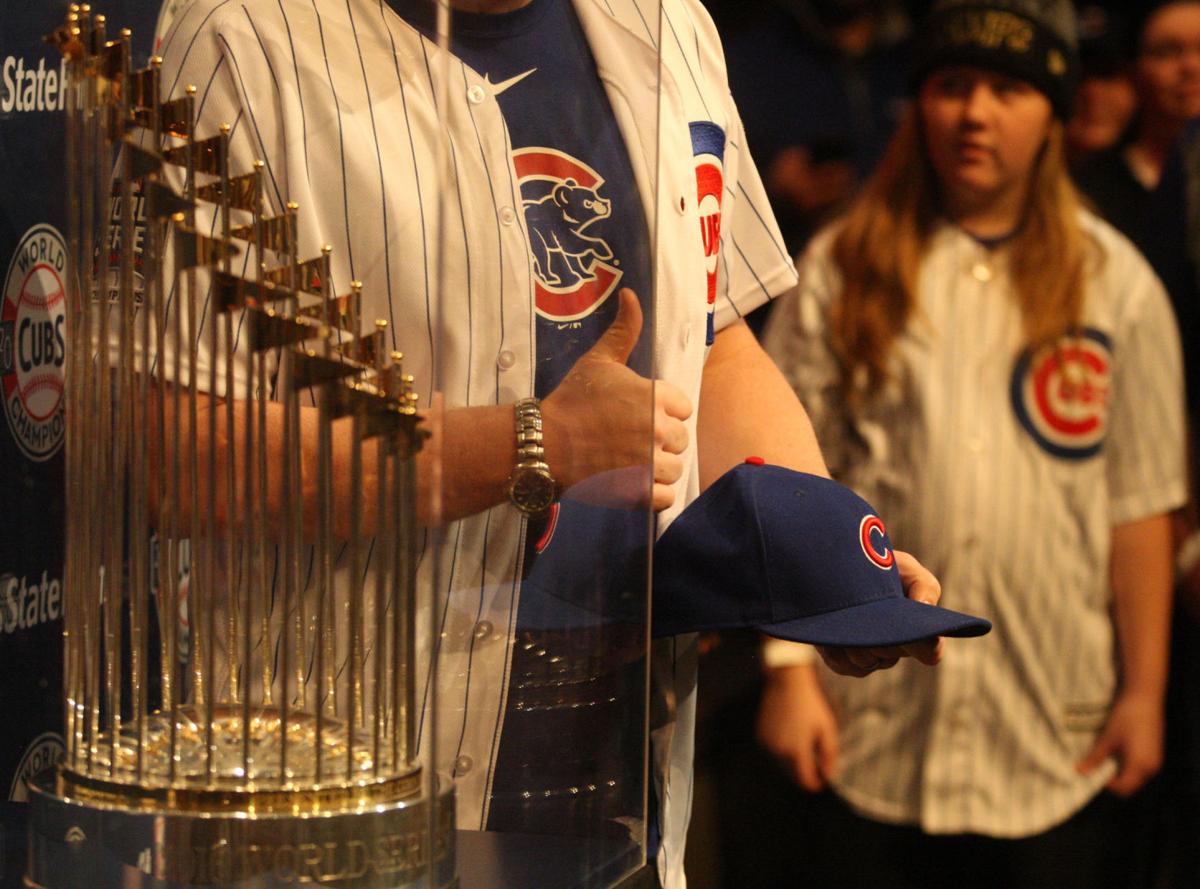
[532, 490]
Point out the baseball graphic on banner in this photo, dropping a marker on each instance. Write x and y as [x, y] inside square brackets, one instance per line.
[43, 752]
[32, 347]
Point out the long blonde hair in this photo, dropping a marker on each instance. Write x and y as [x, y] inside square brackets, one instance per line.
[883, 237]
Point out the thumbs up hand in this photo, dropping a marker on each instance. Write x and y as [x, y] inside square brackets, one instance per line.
[603, 416]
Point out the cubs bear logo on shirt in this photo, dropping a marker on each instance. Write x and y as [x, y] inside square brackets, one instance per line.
[574, 270]
[1060, 394]
[872, 537]
[708, 152]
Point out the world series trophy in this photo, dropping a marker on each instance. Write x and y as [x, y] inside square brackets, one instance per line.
[235, 715]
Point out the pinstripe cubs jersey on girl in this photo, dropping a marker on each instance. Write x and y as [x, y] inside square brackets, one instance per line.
[336, 98]
[1005, 475]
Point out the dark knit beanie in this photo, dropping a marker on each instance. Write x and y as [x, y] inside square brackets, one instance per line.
[1033, 40]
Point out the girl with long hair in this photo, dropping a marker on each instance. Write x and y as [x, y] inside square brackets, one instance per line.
[997, 370]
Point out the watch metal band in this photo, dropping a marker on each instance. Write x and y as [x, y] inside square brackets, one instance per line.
[531, 487]
[528, 417]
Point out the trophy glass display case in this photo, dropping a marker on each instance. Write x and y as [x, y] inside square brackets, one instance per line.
[543, 624]
[330, 615]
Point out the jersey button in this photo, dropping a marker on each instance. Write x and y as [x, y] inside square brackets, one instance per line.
[476, 95]
[508, 215]
[505, 360]
[483, 629]
[682, 205]
[463, 764]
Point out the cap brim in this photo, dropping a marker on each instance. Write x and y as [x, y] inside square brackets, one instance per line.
[884, 622]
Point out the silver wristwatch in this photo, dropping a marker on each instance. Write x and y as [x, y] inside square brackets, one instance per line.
[531, 487]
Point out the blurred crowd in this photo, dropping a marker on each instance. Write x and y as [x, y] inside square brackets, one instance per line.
[823, 86]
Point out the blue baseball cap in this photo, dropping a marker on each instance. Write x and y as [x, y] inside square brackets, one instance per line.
[795, 556]
[587, 566]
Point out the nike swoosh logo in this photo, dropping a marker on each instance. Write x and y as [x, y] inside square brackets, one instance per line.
[498, 88]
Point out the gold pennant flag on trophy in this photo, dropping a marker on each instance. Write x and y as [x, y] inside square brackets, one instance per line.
[240, 191]
[387, 420]
[353, 398]
[174, 117]
[110, 64]
[206, 155]
[310, 275]
[143, 88]
[311, 369]
[340, 312]
[143, 161]
[365, 348]
[163, 201]
[231, 291]
[269, 328]
[193, 249]
[274, 231]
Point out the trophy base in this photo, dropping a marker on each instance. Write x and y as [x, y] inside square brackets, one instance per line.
[408, 844]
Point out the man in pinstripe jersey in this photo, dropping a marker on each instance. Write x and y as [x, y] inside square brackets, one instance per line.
[340, 102]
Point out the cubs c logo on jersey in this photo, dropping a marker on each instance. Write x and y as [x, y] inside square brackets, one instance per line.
[1060, 395]
[872, 537]
[574, 271]
[708, 152]
[32, 345]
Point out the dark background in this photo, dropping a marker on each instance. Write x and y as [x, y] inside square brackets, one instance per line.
[33, 192]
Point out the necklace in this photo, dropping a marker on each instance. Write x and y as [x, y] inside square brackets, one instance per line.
[982, 269]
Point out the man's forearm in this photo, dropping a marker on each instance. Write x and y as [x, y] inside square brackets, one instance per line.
[476, 447]
[747, 408]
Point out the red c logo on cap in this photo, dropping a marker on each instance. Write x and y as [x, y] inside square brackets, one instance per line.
[867, 528]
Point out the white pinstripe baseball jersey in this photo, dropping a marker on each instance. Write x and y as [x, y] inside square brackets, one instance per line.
[1005, 477]
[337, 99]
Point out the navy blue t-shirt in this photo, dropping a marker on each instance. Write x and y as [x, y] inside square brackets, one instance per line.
[587, 229]
[572, 735]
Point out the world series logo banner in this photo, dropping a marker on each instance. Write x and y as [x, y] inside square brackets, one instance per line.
[32, 349]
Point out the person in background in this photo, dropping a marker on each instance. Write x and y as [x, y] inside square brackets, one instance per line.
[1173, 249]
[1147, 186]
[1166, 72]
[998, 370]
[1106, 99]
[820, 86]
